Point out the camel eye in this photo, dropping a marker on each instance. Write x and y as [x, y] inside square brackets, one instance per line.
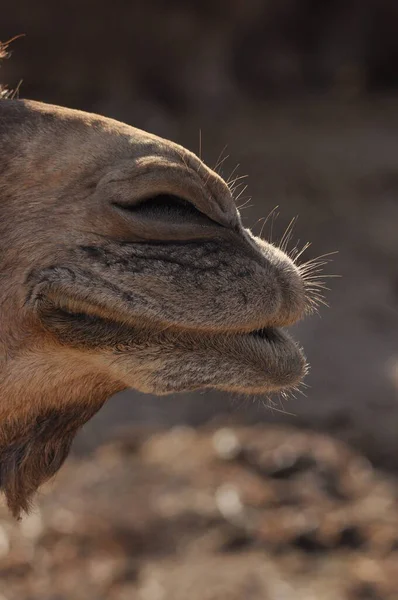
[164, 207]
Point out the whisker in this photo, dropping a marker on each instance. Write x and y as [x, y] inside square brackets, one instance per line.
[228, 181]
[15, 93]
[319, 300]
[267, 218]
[316, 285]
[244, 204]
[312, 268]
[297, 389]
[274, 217]
[236, 187]
[219, 157]
[218, 169]
[232, 183]
[303, 249]
[287, 235]
[257, 222]
[240, 193]
[272, 407]
[4, 45]
[314, 277]
[321, 256]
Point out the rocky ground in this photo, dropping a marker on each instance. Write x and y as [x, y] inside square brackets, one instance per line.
[218, 513]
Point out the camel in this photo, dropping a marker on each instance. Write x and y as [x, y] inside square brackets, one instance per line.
[124, 264]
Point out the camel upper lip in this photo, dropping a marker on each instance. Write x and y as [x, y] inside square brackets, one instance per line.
[267, 334]
[77, 308]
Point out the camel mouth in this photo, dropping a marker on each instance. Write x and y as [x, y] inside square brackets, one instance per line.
[259, 361]
[57, 314]
[268, 334]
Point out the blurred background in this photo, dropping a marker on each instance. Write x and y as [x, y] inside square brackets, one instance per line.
[162, 495]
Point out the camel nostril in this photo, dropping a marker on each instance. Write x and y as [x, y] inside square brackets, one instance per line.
[164, 207]
[160, 204]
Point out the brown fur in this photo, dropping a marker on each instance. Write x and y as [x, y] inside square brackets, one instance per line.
[34, 451]
[123, 263]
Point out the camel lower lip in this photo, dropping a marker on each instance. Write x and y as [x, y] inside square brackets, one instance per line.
[258, 361]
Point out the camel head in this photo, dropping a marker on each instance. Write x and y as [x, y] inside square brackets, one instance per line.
[123, 263]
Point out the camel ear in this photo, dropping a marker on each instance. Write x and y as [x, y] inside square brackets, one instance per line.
[35, 451]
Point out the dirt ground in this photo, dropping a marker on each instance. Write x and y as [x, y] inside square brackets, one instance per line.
[223, 512]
